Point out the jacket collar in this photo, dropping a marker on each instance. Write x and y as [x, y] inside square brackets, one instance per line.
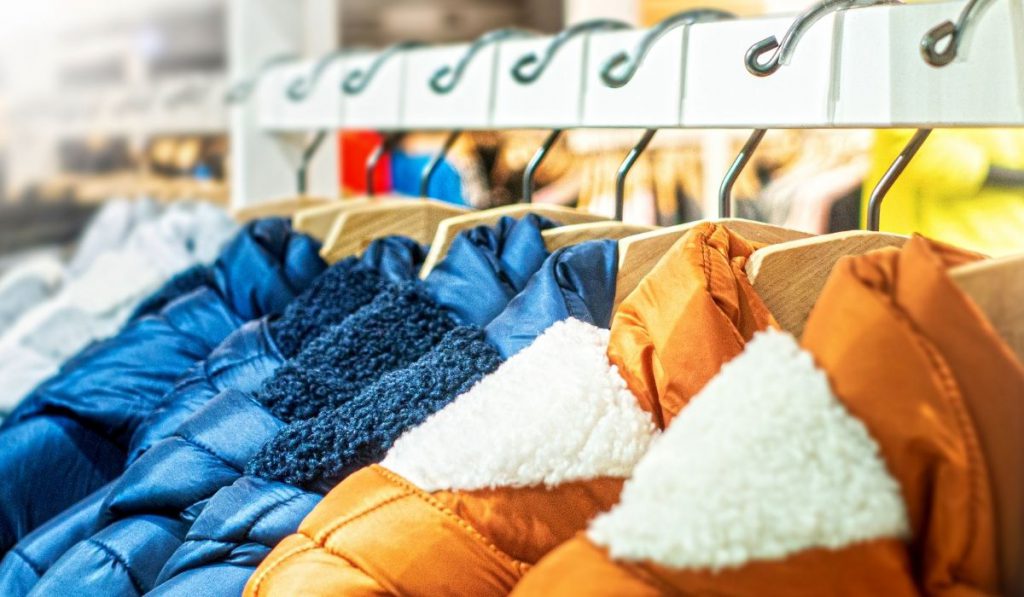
[486, 266]
[691, 314]
[574, 282]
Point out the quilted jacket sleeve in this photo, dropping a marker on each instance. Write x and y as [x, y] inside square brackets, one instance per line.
[69, 437]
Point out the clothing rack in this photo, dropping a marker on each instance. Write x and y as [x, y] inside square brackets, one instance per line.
[858, 67]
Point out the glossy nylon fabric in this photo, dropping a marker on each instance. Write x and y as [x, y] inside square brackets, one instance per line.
[406, 541]
[231, 533]
[70, 435]
[216, 443]
[903, 349]
[695, 311]
[242, 362]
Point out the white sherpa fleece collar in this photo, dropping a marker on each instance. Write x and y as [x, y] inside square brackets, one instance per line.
[555, 412]
[764, 462]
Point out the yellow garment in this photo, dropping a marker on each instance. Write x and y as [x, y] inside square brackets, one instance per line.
[942, 193]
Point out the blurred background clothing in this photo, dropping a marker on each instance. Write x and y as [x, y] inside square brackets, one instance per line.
[945, 191]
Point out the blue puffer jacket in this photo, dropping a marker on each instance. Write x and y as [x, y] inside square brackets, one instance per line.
[242, 523]
[138, 533]
[242, 362]
[70, 436]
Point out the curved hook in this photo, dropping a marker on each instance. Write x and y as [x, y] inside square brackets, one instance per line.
[241, 91]
[889, 178]
[783, 53]
[300, 88]
[385, 147]
[356, 81]
[522, 71]
[446, 78]
[435, 162]
[689, 17]
[531, 169]
[955, 32]
[625, 167]
[733, 174]
[302, 175]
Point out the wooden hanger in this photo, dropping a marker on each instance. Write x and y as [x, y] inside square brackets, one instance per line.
[789, 276]
[320, 221]
[355, 229]
[419, 219]
[574, 234]
[997, 287]
[639, 254]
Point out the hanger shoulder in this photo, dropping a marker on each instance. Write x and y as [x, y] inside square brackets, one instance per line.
[319, 221]
[760, 232]
[995, 286]
[277, 207]
[640, 253]
[574, 234]
[450, 228]
[356, 228]
[789, 276]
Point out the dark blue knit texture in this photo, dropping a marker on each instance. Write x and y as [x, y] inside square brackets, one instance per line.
[337, 293]
[179, 284]
[318, 453]
[399, 326]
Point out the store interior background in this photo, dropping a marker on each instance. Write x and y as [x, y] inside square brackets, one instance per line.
[158, 69]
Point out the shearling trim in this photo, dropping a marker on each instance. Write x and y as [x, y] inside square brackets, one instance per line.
[399, 326]
[556, 412]
[333, 296]
[764, 462]
[318, 453]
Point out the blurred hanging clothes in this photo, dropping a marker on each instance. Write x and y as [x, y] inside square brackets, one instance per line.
[943, 192]
[881, 451]
[69, 436]
[36, 276]
[805, 191]
[98, 300]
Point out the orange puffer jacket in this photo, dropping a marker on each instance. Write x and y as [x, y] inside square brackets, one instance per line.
[468, 502]
[851, 466]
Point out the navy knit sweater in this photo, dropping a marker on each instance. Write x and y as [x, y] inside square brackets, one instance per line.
[395, 329]
[317, 453]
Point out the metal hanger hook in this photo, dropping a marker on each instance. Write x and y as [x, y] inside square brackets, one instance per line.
[300, 88]
[891, 175]
[955, 32]
[307, 156]
[615, 76]
[357, 81]
[625, 167]
[783, 53]
[531, 169]
[435, 162]
[241, 91]
[386, 146]
[531, 66]
[733, 174]
[446, 78]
